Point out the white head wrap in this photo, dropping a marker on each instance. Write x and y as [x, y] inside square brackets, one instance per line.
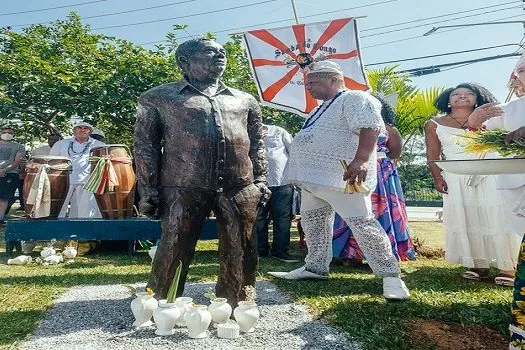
[520, 62]
[86, 124]
[325, 67]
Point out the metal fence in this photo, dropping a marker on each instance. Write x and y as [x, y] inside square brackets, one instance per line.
[423, 198]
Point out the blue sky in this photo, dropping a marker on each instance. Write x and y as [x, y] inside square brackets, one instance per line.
[377, 46]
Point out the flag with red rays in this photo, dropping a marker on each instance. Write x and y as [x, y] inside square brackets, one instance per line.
[280, 57]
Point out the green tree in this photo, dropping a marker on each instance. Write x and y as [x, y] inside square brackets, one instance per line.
[238, 75]
[414, 107]
[52, 73]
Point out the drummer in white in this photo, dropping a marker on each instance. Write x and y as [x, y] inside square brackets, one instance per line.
[82, 203]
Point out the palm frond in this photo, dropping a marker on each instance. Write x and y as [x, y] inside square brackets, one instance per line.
[414, 107]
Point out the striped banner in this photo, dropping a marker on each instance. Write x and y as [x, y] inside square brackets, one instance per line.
[279, 59]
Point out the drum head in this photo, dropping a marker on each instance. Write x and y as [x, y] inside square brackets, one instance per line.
[48, 158]
[109, 146]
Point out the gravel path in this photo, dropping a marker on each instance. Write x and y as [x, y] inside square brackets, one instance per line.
[99, 317]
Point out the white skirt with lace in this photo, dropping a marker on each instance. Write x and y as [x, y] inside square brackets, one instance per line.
[476, 233]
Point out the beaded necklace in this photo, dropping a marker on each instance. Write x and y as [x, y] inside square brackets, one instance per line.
[311, 121]
[75, 153]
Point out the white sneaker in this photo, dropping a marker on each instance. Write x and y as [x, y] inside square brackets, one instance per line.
[298, 274]
[394, 289]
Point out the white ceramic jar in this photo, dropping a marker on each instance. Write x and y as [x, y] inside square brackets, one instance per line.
[142, 307]
[69, 252]
[246, 314]
[165, 317]
[197, 319]
[53, 259]
[220, 310]
[20, 260]
[47, 251]
[183, 303]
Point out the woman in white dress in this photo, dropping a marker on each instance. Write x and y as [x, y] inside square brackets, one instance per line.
[511, 116]
[475, 234]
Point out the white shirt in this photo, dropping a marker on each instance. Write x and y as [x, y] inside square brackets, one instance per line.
[277, 142]
[79, 155]
[331, 136]
[513, 119]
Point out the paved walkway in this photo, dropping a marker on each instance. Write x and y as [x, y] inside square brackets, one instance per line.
[99, 317]
[424, 213]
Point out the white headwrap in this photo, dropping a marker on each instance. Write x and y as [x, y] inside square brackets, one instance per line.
[324, 67]
[520, 62]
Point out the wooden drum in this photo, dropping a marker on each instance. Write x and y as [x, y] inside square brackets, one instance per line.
[58, 174]
[117, 204]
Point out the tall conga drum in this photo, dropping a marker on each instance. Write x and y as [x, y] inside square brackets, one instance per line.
[58, 169]
[118, 203]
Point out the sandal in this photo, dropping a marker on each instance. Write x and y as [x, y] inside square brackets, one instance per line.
[474, 275]
[504, 280]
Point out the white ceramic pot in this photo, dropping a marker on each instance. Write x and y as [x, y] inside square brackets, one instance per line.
[220, 310]
[142, 307]
[183, 303]
[69, 252]
[228, 330]
[165, 317]
[53, 259]
[197, 319]
[47, 251]
[246, 314]
[20, 260]
[152, 251]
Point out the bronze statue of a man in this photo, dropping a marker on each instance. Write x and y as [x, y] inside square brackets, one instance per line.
[198, 148]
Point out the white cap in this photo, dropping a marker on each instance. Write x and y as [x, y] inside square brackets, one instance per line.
[325, 67]
[83, 124]
[97, 131]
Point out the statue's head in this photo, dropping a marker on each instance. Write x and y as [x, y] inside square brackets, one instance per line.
[201, 58]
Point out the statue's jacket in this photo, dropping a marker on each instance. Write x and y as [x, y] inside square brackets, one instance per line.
[184, 138]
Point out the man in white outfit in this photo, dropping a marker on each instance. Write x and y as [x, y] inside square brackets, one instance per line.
[344, 127]
[82, 203]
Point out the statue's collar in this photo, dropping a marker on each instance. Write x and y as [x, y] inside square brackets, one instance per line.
[187, 85]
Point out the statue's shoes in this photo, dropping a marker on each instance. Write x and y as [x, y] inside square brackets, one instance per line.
[395, 289]
[298, 274]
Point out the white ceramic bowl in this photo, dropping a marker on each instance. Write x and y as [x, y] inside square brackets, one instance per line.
[483, 166]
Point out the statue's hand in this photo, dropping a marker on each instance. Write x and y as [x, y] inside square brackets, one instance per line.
[265, 193]
[148, 206]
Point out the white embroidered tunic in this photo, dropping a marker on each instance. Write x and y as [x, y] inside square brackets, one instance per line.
[331, 134]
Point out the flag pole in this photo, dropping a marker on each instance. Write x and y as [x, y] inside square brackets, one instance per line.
[295, 12]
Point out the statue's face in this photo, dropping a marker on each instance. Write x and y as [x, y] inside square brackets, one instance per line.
[208, 61]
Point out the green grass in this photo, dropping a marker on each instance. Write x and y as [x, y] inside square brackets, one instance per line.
[350, 300]
[429, 232]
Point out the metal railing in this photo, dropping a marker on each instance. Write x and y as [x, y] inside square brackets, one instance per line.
[423, 198]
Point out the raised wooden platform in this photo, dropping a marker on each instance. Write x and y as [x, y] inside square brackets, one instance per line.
[91, 230]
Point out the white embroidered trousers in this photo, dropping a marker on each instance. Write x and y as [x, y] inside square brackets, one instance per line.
[318, 207]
